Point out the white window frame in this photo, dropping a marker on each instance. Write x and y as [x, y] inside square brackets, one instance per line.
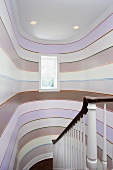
[48, 89]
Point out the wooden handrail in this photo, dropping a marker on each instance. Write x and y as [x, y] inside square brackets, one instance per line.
[84, 110]
[98, 99]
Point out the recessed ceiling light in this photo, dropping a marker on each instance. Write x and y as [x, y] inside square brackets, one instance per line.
[76, 27]
[33, 22]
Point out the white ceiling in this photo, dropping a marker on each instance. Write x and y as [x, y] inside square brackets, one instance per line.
[56, 18]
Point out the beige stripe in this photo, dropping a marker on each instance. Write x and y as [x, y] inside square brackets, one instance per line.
[24, 97]
[96, 60]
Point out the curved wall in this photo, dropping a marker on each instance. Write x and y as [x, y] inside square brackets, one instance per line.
[28, 117]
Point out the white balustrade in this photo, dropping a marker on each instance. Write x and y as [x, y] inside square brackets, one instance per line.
[73, 145]
[84, 144]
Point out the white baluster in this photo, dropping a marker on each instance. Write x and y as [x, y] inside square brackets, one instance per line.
[81, 154]
[63, 151]
[78, 146]
[66, 151]
[92, 138]
[84, 144]
[69, 151]
[104, 157]
[54, 155]
[73, 147]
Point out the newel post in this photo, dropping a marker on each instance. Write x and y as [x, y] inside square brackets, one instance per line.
[92, 138]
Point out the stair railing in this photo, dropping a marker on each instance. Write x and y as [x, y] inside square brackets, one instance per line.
[69, 149]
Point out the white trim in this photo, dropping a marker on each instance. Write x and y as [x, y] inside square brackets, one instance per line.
[99, 20]
[58, 84]
[38, 159]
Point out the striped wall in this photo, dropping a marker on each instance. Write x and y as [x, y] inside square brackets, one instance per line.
[29, 120]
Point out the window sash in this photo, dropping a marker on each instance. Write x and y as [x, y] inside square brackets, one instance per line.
[49, 73]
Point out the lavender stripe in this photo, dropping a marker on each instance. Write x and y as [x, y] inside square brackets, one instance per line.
[100, 129]
[30, 117]
[10, 51]
[97, 60]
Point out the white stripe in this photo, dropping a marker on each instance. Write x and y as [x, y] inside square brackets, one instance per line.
[7, 68]
[101, 72]
[38, 159]
[35, 143]
[101, 44]
[24, 108]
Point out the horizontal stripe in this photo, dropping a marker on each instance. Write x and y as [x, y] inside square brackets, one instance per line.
[97, 128]
[10, 127]
[10, 70]
[24, 62]
[6, 91]
[34, 153]
[36, 160]
[17, 134]
[32, 125]
[100, 79]
[99, 154]
[38, 133]
[6, 21]
[100, 45]
[100, 143]
[100, 126]
[19, 99]
[69, 94]
[95, 73]
[42, 123]
[33, 96]
[84, 75]
[104, 79]
[8, 48]
[102, 87]
[12, 151]
[9, 88]
[34, 144]
[10, 78]
[99, 59]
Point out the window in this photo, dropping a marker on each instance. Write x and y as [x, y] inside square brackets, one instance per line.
[48, 73]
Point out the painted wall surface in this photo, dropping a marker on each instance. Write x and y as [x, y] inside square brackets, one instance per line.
[28, 117]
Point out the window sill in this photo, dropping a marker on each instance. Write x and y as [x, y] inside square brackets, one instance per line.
[49, 90]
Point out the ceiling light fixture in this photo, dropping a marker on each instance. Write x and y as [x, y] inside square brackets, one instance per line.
[33, 22]
[76, 27]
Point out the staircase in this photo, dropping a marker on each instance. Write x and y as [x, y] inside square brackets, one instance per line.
[76, 147]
